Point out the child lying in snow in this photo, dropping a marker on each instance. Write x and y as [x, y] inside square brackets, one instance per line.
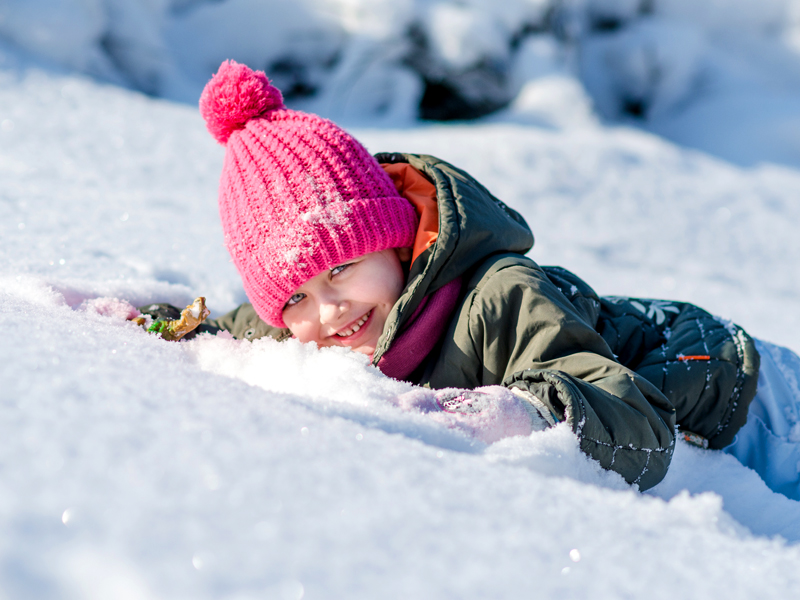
[412, 262]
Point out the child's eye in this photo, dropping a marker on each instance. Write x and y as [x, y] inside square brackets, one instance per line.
[339, 269]
[294, 299]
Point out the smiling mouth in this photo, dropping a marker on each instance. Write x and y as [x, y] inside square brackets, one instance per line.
[354, 327]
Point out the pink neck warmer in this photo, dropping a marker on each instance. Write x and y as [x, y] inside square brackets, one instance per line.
[423, 330]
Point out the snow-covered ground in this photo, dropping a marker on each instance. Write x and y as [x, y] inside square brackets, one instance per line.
[135, 468]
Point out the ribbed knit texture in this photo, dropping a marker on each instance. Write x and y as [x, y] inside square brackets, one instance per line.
[298, 195]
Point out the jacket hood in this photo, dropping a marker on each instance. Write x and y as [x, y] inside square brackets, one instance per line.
[473, 225]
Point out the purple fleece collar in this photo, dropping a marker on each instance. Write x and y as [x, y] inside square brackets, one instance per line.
[423, 330]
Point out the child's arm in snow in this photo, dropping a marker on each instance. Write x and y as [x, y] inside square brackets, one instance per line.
[525, 333]
[242, 322]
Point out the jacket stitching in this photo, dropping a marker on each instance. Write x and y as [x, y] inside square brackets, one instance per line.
[737, 389]
[629, 448]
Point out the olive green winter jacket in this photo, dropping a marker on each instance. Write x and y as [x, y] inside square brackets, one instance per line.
[621, 372]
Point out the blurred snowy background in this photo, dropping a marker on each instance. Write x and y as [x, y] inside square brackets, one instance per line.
[689, 70]
[653, 146]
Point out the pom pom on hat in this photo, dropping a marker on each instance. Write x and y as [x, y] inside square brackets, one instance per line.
[235, 95]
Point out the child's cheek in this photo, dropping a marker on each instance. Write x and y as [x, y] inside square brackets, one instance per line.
[301, 329]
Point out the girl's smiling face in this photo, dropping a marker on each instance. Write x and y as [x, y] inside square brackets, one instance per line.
[348, 305]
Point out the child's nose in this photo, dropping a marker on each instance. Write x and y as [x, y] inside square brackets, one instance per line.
[330, 310]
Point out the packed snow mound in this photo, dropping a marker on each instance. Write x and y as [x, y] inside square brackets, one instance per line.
[216, 468]
[688, 70]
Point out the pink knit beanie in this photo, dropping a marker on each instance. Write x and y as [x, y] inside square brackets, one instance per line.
[297, 195]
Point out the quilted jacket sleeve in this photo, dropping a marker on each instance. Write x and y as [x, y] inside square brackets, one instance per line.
[244, 324]
[525, 333]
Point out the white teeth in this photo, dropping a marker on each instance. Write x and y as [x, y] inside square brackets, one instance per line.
[358, 324]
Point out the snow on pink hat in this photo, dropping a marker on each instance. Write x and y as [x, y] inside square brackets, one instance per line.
[298, 195]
